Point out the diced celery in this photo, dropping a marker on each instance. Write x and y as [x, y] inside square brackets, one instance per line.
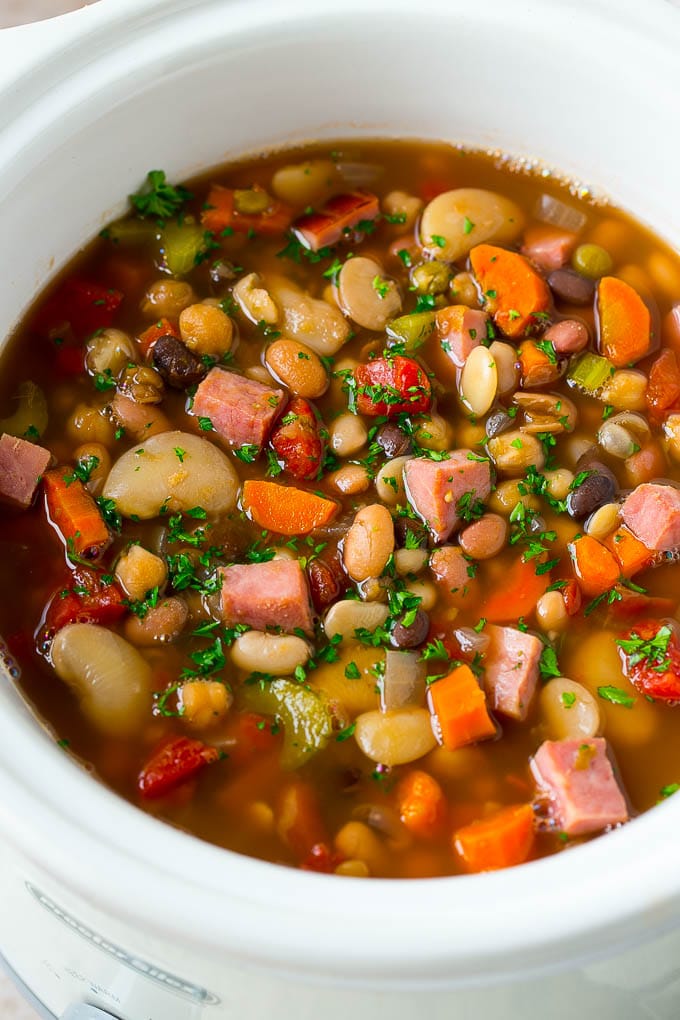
[411, 330]
[29, 420]
[590, 373]
[182, 243]
[132, 232]
[304, 713]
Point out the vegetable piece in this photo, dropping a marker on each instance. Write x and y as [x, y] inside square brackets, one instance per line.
[304, 713]
[222, 213]
[403, 682]
[172, 764]
[663, 389]
[515, 294]
[522, 588]
[297, 443]
[285, 510]
[549, 209]
[336, 220]
[89, 599]
[109, 676]
[594, 565]
[624, 322]
[86, 306]
[391, 386]
[182, 244]
[148, 338]
[465, 217]
[650, 654]
[459, 711]
[298, 819]
[590, 373]
[422, 804]
[203, 477]
[411, 331]
[631, 555]
[75, 515]
[29, 419]
[501, 840]
[592, 261]
[538, 366]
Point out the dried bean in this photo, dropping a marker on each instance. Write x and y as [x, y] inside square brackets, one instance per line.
[594, 491]
[393, 441]
[570, 287]
[414, 634]
[176, 363]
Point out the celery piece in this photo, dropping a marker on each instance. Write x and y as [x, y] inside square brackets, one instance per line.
[411, 330]
[29, 420]
[304, 713]
[182, 243]
[130, 232]
[590, 373]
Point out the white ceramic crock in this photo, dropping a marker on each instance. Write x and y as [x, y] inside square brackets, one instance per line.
[101, 904]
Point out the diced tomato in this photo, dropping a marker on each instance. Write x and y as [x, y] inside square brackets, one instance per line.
[297, 441]
[657, 673]
[148, 338]
[86, 306]
[253, 736]
[85, 598]
[663, 388]
[172, 764]
[390, 386]
[322, 859]
[571, 594]
[340, 215]
[221, 214]
[69, 361]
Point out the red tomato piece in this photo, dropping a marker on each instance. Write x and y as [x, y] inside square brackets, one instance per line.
[69, 361]
[663, 389]
[571, 594]
[172, 764]
[650, 653]
[321, 859]
[86, 306]
[390, 386]
[87, 597]
[297, 441]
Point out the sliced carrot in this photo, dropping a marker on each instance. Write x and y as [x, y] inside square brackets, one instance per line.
[502, 840]
[624, 322]
[422, 804]
[148, 338]
[514, 292]
[221, 215]
[538, 365]
[285, 510]
[522, 588]
[594, 565]
[663, 388]
[75, 515]
[459, 706]
[631, 555]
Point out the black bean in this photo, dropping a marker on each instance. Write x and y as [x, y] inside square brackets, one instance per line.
[176, 363]
[414, 634]
[599, 487]
[393, 441]
[497, 422]
[571, 287]
[405, 526]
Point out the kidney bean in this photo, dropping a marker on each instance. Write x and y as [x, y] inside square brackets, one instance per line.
[570, 287]
[176, 364]
[598, 488]
[393, 440]
[327, 582]
[413, 635]
[567, 337]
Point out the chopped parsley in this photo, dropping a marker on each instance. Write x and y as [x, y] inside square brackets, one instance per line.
[616, 696]
[161, 200]
[653, 652]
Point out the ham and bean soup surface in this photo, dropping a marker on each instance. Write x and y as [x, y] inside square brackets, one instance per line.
[341, 510]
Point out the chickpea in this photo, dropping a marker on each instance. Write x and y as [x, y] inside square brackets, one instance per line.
[433, 432]
[551, 611]
[204, 703]
[425, 591]
[108, 353]
[559, 482]
[167, 299]
[410, 561]
[513, 452]
[463, 290]
[139, 571]
[87, 455]
[507, 495]
[206, 330]
[401, 204]
[625, 390]
[142, 384]
[89, 424]
[356, 842]
[430, 277]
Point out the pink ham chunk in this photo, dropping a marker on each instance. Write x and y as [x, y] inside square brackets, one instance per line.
[22, 465]
[511, 669]
[240, 410]
[460, 330]
[439, 490]
[652, 513]
[579, 781]
[548, 247]
[453, 574]
[272, 594]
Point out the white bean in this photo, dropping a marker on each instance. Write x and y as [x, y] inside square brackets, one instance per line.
[366, 295]
[465, 217]
[348, 616]
[479, 381]
[410, 561]
[395, 738]
[369, 543]
[309, 320]
[569, 710]
[347, 435]
[507, 367]
[254, 300]
[306, 183]
[602, 521]
[389, 482]
[279, 654]
[200, 475]
[110, 677]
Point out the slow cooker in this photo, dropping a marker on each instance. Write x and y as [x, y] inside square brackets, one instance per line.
[105, 912]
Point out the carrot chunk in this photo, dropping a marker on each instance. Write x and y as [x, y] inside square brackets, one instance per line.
[502, 840]
[422, 804]
[538, 365]
[459, 706]
[514, 292]
[624, 322]
[663, 390]
[221, 214]
[595, 567]
[521, 591]
[285, 510]
[631, 554]
[75, 515]
[148, 338]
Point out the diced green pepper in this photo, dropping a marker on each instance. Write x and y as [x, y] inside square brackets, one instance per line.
[590, 373]
[182, 244]
[304, 713]
[411, 330]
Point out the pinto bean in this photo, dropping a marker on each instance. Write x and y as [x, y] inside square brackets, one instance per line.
[484, 538]
[350, 480]
[567, 337]
[298, 367]
[87, 455]
[347, 435]
[369, 543]
[176, 363]
[162, 624]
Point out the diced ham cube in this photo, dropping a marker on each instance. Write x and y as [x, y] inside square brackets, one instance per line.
[336, 220]
[511, 669]
[548, 247]
[460, 330]
[272, 594]
[453, 574]
[579, 780]
[22, 465]
[652, 513]
[439, 490]
[241, 411]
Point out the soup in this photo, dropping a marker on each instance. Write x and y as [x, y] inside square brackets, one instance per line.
[342, 491]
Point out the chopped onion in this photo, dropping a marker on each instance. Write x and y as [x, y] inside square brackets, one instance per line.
[559, 214]
[403, 683]
[360, 175]
[470, 641]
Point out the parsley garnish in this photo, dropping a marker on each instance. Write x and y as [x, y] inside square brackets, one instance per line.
[161, 200]
[616, 696]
